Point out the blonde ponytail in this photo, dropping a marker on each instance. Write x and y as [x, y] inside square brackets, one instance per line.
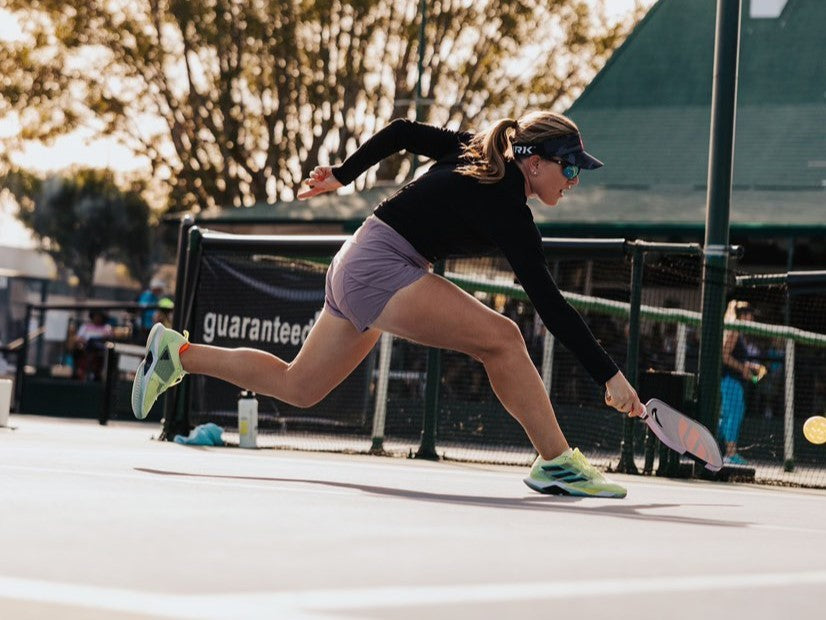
[489, 150]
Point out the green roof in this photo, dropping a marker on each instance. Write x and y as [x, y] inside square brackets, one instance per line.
[647, 115]
[668, 59]
[777, 147]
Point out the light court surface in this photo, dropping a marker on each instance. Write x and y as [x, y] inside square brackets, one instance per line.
[102, 522]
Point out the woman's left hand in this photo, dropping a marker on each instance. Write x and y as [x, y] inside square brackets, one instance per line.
[320, 181]
[621, 396]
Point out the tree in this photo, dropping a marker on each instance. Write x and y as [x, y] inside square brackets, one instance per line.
[81, 218]
[252, 93]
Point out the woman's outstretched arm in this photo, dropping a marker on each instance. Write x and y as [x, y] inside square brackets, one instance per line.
[399, 135]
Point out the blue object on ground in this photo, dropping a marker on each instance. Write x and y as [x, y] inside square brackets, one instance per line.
[208, 434]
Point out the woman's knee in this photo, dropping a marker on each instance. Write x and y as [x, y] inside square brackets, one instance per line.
[303, 399]
[306, 399]
[300, 390]
[502, 336]
[302, 396]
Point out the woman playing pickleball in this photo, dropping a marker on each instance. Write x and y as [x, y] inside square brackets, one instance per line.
[472, 200]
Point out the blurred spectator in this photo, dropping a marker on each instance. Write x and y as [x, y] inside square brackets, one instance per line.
[88, 347]
[737, 370]
[151, 297]
[164, 313]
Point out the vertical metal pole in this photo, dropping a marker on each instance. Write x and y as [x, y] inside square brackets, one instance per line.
[548, 343]
[187, 222]
[110, 380]
[40, 323]
[626, 464]
[5, 303]
[788, 414]
[548, 360]
[788, 417]
[682, 347]
[588, 284]
[420, 64]
[427, 449]
[417, 97]
[176, 405]
[383, 378]
[790, 252]
[715, 261]
[22, 360]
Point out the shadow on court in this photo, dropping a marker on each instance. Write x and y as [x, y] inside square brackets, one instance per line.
[539, 502]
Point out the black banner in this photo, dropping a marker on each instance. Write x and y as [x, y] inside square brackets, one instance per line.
[269, 303]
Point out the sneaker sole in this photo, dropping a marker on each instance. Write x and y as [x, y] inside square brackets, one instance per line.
[560, 488]
[141, 376]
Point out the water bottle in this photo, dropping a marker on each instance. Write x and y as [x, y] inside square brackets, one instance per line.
[248, 420]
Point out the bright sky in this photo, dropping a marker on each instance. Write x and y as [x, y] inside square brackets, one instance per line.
[78, 148]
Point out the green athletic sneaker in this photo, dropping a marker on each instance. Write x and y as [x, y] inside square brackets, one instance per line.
[159, 370]
[571, 474]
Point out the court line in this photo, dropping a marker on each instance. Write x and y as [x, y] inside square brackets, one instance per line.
[308, 604]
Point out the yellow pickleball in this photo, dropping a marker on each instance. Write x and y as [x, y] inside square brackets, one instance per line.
[814, 429]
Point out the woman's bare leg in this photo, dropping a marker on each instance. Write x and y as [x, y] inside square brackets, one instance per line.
[331, 352]
[436, 313]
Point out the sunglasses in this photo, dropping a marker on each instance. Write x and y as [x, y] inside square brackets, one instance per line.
[569, 171]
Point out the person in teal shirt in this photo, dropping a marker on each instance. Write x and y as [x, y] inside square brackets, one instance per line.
[150, 297]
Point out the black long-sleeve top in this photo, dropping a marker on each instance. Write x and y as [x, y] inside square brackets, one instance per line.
[444, 213]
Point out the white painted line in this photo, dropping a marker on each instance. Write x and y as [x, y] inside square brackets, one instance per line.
[307, 603]
[95, 597]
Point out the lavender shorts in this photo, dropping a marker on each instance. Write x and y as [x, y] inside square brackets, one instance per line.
[368, 270]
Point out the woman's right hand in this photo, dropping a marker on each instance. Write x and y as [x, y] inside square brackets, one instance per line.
[320, 181]
[620, 395]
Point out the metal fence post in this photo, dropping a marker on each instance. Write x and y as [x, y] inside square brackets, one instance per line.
[383, 378]
[22, 360]
[788, 415]
[110, 379]
[176, 407]
[720, 170]
[427, 449]
[626, 463]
